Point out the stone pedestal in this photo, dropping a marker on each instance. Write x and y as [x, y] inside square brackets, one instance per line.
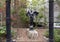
[32, 34]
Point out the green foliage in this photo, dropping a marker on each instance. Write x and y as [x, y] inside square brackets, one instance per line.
[37, 5]
[12, 11]
[34, 2]
[46, 34]
[23, 16]
[40, 16]
[0, 4]
[3, 32]
[56, 35]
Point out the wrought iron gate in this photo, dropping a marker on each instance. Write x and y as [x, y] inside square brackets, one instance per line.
[8, 21]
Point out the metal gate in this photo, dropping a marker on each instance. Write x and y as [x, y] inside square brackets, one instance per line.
[51, 21]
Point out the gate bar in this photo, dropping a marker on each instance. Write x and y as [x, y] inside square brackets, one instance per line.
[51, 20]
[8, 21]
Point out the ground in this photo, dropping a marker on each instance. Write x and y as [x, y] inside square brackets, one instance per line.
[21, 35]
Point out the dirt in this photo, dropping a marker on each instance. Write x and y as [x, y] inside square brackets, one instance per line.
[21, 35]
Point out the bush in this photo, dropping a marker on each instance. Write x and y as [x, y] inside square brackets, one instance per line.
[23, 16]
[3, 32]
[56, 35]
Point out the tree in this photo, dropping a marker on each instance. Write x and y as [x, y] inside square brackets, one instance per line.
[19, 5]
[39, 6]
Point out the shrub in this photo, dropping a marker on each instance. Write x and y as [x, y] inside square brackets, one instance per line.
[23, 16]
[3, 32]
[56, 35]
